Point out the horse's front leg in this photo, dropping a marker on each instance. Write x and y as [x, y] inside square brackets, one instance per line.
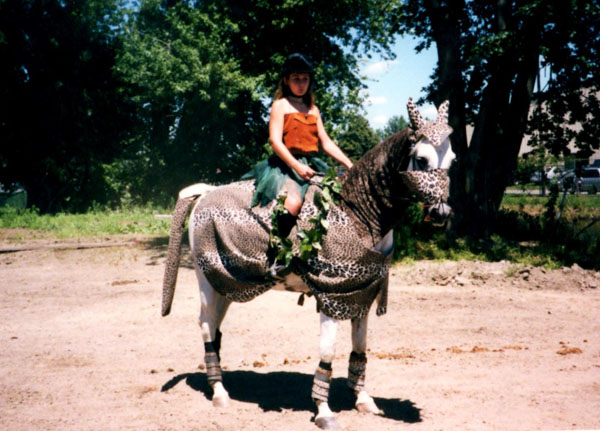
[358, 366]
[212, 311]
[322, 380]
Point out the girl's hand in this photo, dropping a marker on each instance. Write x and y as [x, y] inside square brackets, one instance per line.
[305, 171]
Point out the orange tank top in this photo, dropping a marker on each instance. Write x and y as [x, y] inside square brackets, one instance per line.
[300, 134]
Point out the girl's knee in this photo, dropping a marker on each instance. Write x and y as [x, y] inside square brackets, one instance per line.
[293, 204]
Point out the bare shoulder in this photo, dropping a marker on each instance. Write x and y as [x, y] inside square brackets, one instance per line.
[314, 110]
[280, 106]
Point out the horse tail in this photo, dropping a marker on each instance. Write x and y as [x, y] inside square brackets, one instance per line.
[186, 198]
[174, 252]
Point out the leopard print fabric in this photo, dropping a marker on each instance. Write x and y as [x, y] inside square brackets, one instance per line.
[182, 209]
[435, 132]
[230, 246]
[429, 187]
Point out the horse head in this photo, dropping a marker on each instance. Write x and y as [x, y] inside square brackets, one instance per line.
[430, 158]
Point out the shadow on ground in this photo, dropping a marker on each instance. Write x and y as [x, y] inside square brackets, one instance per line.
[289, 390]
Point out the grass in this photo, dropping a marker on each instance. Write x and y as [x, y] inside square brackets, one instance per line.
[583, 204]
[99, 222]
[525, 234]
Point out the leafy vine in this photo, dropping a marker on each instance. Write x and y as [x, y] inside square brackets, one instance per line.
[310, 239]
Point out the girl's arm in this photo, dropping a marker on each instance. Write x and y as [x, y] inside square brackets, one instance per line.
[330, 147]
[276, 139]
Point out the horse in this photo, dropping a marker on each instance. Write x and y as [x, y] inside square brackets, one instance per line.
[229, 242]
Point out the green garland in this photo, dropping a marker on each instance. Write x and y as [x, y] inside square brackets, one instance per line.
[310, 239]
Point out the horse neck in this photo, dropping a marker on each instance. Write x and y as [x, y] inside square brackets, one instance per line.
[367, 187]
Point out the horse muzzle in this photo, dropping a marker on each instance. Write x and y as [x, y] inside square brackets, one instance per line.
[438, 214]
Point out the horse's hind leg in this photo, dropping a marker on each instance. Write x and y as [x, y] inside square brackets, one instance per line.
[213, 309]
[358, 366]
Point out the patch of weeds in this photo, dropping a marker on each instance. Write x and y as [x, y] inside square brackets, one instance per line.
[97, 222]
[521, 237]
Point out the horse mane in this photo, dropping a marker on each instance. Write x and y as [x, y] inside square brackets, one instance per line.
[369, 187]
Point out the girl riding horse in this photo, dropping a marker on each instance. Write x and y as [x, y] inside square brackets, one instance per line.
[296, 133]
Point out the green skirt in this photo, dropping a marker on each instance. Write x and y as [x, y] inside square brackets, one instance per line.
[271, 173]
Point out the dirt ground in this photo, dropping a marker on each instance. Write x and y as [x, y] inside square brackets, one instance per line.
[464, 346]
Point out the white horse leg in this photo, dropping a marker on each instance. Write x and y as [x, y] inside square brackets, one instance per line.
[213, 309]
[358, 365]
[322, 379]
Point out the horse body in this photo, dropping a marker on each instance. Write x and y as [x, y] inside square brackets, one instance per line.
[229, 241]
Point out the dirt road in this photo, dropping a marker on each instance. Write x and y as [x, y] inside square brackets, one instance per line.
[464, 346]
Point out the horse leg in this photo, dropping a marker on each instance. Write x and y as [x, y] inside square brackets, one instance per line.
[358, 365]
[213, 309]
[322, 379]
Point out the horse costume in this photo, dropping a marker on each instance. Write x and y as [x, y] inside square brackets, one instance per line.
[229, 242]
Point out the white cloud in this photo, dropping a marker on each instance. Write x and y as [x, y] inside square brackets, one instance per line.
[429, 112]
[379, 68]
[380, 120]
[376, 100]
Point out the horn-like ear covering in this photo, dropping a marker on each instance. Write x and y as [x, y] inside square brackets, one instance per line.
[443, 112]
[414, 115]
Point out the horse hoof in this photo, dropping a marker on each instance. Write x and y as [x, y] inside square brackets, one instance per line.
[220, 402]
[327, 423]
[367, 407]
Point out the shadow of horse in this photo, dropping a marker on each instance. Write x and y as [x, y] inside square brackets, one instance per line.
[289, 390]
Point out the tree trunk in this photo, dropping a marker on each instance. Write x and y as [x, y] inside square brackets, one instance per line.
[451, 86]
[484, 167]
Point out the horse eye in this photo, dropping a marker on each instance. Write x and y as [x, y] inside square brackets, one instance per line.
[422, 163]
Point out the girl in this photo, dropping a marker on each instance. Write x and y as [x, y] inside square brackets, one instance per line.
[295, 132]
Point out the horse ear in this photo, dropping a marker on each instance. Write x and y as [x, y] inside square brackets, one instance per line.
[443, 112]
[414, 115]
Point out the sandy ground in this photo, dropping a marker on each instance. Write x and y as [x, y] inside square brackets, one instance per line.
[464, 346]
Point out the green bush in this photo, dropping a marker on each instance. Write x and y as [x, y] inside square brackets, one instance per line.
[527, 231]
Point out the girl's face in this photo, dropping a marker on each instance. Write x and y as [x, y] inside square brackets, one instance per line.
[298, 83]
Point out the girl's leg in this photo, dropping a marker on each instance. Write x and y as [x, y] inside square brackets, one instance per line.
[285, 223]
[293, 201]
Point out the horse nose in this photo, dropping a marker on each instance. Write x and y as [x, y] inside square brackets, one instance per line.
[438, 214]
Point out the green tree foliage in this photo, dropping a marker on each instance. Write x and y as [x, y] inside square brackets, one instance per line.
[394, 124]
[202, 75]
[357, 137]
[60, 117]
[331, 34]
[107, 104]
[488, 61]
[197, 112]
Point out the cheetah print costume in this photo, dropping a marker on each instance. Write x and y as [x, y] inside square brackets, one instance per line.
[434, 131]
[230, 239]
[344, 277]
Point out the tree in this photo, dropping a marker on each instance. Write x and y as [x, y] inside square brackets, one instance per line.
[197, 112]
[61, 118]
[331, 34]
[202, 75]
[357, 137]
[488, 61]
[394, 124]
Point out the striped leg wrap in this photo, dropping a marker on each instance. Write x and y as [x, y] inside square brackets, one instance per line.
[356, 371]
[321, 383]
[213, 368]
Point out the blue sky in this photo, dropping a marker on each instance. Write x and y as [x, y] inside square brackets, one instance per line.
[391, 82]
